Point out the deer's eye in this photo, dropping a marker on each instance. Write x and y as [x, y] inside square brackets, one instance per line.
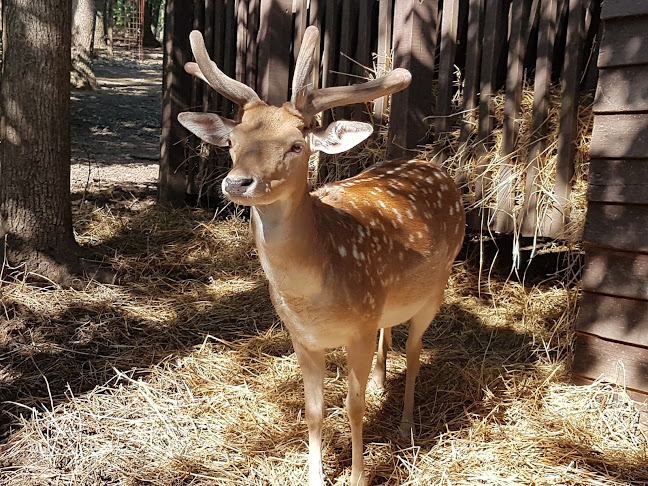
[297, 148]
[229, 143]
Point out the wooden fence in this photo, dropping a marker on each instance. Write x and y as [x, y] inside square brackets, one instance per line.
[463, 54]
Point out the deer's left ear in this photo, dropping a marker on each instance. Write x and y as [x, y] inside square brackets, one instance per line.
[339, 136]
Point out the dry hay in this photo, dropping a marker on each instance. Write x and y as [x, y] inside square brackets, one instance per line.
[180, 373]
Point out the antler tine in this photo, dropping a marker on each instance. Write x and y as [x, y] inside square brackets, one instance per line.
[208, 71]
[325, 98]
[304, 67]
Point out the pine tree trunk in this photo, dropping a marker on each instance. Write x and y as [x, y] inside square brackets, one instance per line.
[35, 209]
[108, 25]
[83, 22]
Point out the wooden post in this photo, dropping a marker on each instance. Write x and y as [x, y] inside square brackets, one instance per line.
[504, 222]
[275, 37]
[415, 40]
[494, 34]
[209, 44]
[176, 93]
[539, 128]
[315, 18]
[252, 47]
[554, 225]
[300, 10]
[229, 58]
[329, 54]
[241, 39]
[449, 21]
[471, 78]
[385, 8]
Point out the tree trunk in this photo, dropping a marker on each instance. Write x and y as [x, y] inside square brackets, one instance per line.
[35, 210]
[83, 21]
[100, 26]
[108, 25]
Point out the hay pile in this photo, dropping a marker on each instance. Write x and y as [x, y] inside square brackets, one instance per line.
[180, 373]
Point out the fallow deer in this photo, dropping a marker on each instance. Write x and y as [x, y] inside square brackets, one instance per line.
[348, 259]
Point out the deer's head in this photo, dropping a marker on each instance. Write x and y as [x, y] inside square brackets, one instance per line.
[270, 145]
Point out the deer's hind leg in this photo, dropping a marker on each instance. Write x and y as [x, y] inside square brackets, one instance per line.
[418, 325]
[379, 374]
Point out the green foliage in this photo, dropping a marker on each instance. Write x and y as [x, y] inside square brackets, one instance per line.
[123, 9]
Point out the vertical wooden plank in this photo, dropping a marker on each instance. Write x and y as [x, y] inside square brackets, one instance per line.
[495, 22]
[329, 53]
[555, 224]
[347, 51]
[315, 18]
[415, 40]
[300, 10]
[208, 34]
[229, 57]
[252, 47]
[449, 21]
[175, 99]
[219, 48]
[241, 39]
[504, 222]
[275, 38]
[539, 128]
[346, 46]
[471, 76]
[198, 87]
[363, 49]
[383, 51]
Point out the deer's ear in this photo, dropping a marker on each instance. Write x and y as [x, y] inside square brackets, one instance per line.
[339, 136]
[208, 127]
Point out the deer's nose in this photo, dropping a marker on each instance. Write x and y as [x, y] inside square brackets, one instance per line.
[235, 186]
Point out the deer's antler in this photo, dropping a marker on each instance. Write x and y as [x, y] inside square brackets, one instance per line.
[322, 99]
[208, 71]
[307, 100]
[304, 67]
[310, 102]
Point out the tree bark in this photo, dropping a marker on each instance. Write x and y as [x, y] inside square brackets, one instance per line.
[108, 25]
[83, 21]
[35, 210]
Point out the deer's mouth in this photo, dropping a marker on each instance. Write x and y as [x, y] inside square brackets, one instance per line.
[249, 191]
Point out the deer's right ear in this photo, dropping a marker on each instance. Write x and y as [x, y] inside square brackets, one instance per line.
[208, 127]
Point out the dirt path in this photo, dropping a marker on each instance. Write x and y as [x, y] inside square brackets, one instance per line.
[116, 130]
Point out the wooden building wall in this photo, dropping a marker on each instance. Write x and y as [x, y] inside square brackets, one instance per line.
[612, 329]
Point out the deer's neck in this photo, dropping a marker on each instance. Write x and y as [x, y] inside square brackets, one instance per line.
[285, 237]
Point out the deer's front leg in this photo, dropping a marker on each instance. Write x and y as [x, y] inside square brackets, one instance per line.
[359, 357]
[312, 366]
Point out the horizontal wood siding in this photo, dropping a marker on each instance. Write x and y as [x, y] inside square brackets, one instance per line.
[611, 9]
[624, 42]
[619, 273]
[624, 364]
[622, 89]
[623, 135]
[612, 326]
[615, 318]
[620, 226]
[618, 181]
